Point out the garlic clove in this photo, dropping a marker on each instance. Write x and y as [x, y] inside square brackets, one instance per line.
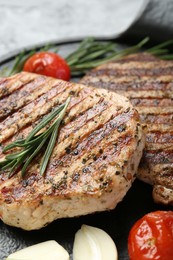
[94, 244]
[43, 251]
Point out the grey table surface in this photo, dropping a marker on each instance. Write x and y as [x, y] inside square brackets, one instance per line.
[24, 23]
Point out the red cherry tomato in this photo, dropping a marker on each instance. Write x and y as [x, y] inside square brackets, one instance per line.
[151, 237]
[48, 64]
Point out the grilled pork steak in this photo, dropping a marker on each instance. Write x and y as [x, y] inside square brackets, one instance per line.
[148, 82]
[94, 160]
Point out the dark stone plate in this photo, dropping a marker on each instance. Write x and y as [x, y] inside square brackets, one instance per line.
[116, 223]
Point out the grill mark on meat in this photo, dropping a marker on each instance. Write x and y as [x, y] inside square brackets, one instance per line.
[136, 85]
[94, 160]
[158, 137]
[77, 177]
[72, 115]
[15, 82]
[90, 140]
[94, 156]
[38, 107]
[159, 157]
[134, 72]
[164, 167]
[148, 83]
[82, 133]
[68, 137]
[83, 175]
[159, 127]
[68, 124]
[152, 102]
[82, 97]
[156, 110]
[158, 146]
[157, 119]
[131, 65]
[85, 172]
[146, 94]
[160, 80]
[83, 117]
[26, 94]
[6, 83]
[80, 119]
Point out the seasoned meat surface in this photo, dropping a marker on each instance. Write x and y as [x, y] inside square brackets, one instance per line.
[93, 163]
[148, 82]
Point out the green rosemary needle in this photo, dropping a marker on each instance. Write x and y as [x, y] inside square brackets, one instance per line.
[53, 138]
[91, 53]
[34, 142]
[22, 58]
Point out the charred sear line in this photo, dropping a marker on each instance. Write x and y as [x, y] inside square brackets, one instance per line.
[20, 97]
[152, 102]
[158, 157]
[158, 137]
[84, 117]
[36, 105]
[139, 57]
[25, 129]
[95, 162]
[148, 83]
[101, 165]
[134, 72]
[21, 134]
[157, 119]
[130, 85]
[92, 139]
[8, 86]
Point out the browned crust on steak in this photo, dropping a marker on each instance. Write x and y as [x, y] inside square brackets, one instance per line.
[148, 82]
[98, 149]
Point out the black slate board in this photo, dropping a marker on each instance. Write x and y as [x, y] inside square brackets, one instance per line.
[116, 223]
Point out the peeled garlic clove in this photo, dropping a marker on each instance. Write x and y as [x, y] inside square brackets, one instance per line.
[93, 244]
[47, 250]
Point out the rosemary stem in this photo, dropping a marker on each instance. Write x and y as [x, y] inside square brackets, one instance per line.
[44, 122]
[53, 138]
[37, 150]
[34, 143]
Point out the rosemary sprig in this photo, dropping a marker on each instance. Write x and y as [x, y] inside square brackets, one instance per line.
[34, 142]
[92, 53]
[53, 138]
[20, 61]
[22, 58]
